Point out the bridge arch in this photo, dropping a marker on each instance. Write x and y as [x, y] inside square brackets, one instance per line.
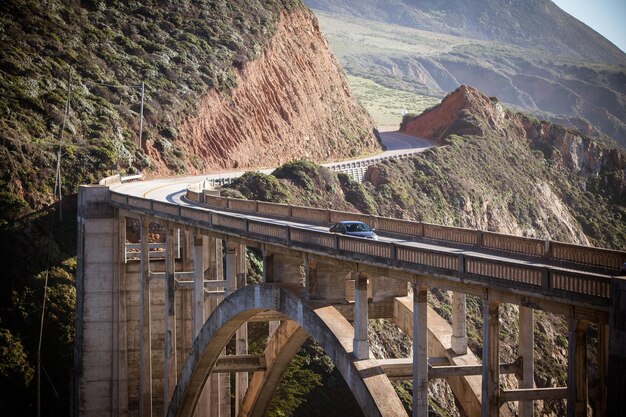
[370, 386]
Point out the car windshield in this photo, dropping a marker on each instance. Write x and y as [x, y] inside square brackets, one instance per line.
[357, 227]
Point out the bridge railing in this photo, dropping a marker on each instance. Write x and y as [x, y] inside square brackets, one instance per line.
[587, 287]
[605, 260]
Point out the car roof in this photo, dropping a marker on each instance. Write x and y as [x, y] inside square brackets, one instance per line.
[349, 222]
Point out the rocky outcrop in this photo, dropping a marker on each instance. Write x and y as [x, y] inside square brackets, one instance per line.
[292, 102]
[454, 115]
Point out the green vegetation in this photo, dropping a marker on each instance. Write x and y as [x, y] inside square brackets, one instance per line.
[178, 50]
[259, 186]
[386, 105]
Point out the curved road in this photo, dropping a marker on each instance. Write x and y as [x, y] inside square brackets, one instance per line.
[394, 141]
[171, 188]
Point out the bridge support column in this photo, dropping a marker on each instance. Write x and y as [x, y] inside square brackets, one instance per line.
[268, 266]
[215, 260]
[207, 407]
[420, 351]
[199, 245]
[577, 369]
[616, 383]
[169, 364]
[491, 359]
[526, 347]
[231, 268]
[241, 337]
[360, 346]
[145, 327]
[310, 282]
[459, 327]
[603, 368]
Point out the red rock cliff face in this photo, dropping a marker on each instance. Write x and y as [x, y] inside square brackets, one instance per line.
[291, 103]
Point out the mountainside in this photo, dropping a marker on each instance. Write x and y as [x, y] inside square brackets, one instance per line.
[526, 23]
[287, 105]
[529, 54]
[219, 76]
[228, 84]
[567, 186]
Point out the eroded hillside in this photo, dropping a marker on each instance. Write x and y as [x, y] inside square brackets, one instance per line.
[508, 172]
[227, 85]
[291, 103]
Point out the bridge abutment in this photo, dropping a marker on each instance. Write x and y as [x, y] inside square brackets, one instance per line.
[100, 343]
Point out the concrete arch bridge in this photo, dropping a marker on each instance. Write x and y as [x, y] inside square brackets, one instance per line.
[154, 316]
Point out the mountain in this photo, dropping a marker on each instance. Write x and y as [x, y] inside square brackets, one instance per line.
[227, 85]
[530, 54]
[536, 24]
[568, 186]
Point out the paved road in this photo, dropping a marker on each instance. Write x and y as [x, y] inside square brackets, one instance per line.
[394, 141]
[165, 189]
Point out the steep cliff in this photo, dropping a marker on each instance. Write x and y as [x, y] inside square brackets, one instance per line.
[291, 103]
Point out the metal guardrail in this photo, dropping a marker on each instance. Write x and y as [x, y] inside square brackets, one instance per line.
[585, 287]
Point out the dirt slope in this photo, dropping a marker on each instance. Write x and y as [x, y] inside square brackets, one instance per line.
[291, 103]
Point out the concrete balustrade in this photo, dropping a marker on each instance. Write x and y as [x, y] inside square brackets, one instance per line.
[514, 244]
[310, 214]
[549, 279]
[243, 205]
[585, 255]
[526, 274]
[455, 235]
[274, 209]
[270, 230]
[603, 259]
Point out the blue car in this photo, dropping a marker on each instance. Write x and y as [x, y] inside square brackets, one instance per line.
[354, 228]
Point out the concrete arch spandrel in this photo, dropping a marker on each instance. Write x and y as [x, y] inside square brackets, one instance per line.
[370, 386]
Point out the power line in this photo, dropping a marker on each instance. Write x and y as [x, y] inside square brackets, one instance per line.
[45, 288]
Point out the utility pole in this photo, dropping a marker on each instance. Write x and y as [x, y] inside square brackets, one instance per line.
[60, 151]
[141, 113]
